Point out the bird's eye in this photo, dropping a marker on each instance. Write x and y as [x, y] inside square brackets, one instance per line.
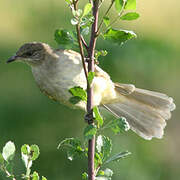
[29, 53]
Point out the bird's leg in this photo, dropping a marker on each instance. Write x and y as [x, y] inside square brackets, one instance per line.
[95, 60]
[89, 117]
[87, 59]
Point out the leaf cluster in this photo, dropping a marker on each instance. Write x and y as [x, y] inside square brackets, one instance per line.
[84, 19]
[75, 148]
[28, 154]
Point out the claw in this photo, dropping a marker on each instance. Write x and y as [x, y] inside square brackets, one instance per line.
[89, 118]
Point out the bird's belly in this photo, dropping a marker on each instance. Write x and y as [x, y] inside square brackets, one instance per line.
[57, 86]
[55, 83]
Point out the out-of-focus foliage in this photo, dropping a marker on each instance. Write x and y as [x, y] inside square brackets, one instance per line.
[151, 61]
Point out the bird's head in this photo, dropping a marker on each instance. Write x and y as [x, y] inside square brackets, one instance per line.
[31, 53]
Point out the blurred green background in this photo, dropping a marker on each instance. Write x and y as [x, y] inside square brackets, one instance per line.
[151, 61]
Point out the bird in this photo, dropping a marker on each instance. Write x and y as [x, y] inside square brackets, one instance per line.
[57, 70]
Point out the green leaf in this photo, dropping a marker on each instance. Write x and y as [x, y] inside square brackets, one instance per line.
[78, 92]
[29, 153]
[35, 176]
[84, 176]
[74, 21]
[85, 31]
[73, 146]
[73, 153]
[87, 9]
[105, 175]
[118, 5]
[97, 160]
[118, 36]
[1, 159]
[106, 21]
[86, 21]
[118, 156]
[25, 149]
[97, 116]
[70, 142]
[104, 146]
[100, 53]
[68, 2]
[90, 131]
[77, 13]
[44, 178]
[90, 77]
[26, 156]
[8, 151]
[119, 125]
[66, 38]
[9, 168]
[130, 16]
[103, 52]
[74, 99]
[129, 5]
[108, 172]
[99, 143]
[34, 152]
[100, 173]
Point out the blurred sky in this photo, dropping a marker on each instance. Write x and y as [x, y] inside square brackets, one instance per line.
[151, 61]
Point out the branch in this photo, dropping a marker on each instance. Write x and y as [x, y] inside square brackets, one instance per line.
[91, 1]
[120, 13]
[84, 42]
[106, 13]
[93, 38]
[8, 174]
[91, 51]
[80, 42]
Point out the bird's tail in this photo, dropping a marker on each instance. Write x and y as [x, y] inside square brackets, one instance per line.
[146, 111]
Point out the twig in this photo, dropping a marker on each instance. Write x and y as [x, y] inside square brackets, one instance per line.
[120, 13]
[99, 166]
[84, 42]
[8, 174]
[106, 13]
[91, 1]
[80, 42]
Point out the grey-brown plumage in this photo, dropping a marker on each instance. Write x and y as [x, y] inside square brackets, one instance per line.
[56, 71]
[146, 111]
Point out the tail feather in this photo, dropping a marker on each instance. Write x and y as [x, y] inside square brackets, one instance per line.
[145, 111]
[151, 98]
[154, 99]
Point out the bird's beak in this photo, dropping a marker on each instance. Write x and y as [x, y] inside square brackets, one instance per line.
[11, 59]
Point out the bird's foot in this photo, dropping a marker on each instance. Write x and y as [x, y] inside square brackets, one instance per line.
[89, 118]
